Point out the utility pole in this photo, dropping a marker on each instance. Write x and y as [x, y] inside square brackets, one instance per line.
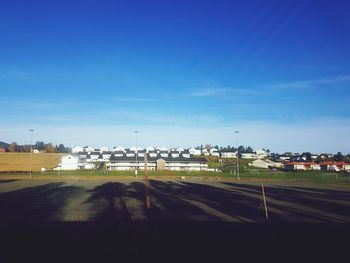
[31, 152]
[148, 195]
[237, 165]
[136, 166]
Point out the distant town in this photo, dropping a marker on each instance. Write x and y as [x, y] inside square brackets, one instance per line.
[178, 158]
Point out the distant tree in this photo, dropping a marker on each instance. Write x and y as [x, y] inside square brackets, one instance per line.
[49, 148]
[339, 157]
[216, 147]
[249, 149]
[39, 146]
[61, 148]
[241, 149]
[307, 156]
[13, 147]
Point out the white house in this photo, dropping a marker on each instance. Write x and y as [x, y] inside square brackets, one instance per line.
[150, 149]
[261, 154]
[265, 164]
[214, 152]
[89, 149]
[205, 152]
[163, 148]
[69, 162]
[248, 155]
[104, 149]
[175, 154]
[106, 155]
[211, 150]
[227, 154]
[164, 154]
[260, 164]
[118, 149]
[294, 166]
[77, 149]
[180, 149]
[94, 156]
[170, 164]
[194, 151]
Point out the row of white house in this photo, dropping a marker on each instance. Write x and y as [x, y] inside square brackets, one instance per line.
[258, 154]
[124, 162]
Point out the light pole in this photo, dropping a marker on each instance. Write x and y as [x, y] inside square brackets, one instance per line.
[136, 132]
[237, 165]
[31, 152]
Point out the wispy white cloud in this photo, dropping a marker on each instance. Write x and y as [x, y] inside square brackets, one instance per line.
[208, 92]
[37, 104]
[315, 83]
[18, 73]
[134, 99]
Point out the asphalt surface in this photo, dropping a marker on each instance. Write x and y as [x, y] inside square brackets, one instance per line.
[99, 220]
[171, 201]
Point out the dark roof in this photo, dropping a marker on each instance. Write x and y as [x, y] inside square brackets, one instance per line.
[153, 159]
[94, 153]
[82, 153]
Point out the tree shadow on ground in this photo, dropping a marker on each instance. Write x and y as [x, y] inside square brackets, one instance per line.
[35, 204]
[109, 201]
[290, 203]
[172, 202]
[200, 202]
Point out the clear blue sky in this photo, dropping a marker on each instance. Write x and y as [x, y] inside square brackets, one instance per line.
[182, 72]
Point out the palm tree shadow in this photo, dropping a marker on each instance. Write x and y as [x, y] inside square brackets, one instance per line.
[108, 200]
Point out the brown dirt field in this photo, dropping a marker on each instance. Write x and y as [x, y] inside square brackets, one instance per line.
[21, 161]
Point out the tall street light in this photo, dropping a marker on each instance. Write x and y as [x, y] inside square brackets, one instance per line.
[237, 165]
[136, 132]
[31, 152]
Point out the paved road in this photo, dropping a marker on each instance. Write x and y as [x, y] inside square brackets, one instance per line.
[171, 201]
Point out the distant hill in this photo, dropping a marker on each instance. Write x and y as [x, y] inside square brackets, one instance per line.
[4, 145]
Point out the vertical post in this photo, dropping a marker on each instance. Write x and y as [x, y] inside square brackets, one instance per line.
[237, 165]
[136, 152]
[31, 152]
[148, 195]
[265, 205]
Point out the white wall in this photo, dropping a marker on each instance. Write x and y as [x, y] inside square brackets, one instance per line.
[69, 162]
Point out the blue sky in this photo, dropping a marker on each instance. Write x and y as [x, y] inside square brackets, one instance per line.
[182, 72]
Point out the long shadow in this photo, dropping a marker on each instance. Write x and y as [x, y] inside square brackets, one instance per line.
[198, 202]
[109, 200]
[296, 200]
[35, 204]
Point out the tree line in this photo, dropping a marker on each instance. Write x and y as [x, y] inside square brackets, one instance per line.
[241, 148]
[40, 146]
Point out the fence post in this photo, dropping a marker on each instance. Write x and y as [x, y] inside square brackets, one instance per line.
[265, 205]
